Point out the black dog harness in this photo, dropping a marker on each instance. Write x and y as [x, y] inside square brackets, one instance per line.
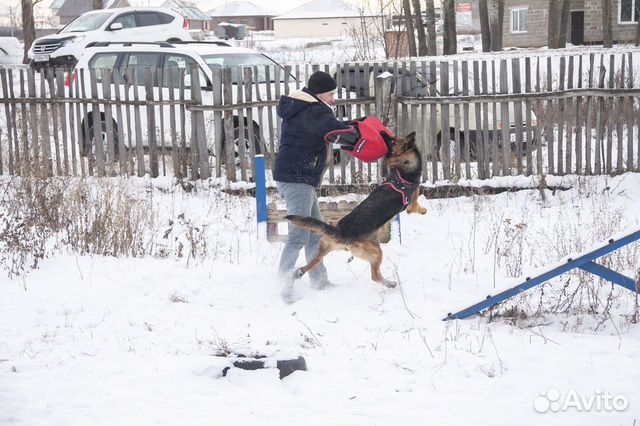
[401, 186]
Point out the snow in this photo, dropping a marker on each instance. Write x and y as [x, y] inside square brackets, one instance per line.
[10, 50]
[87, 339]
[321, 9]
[240, 8]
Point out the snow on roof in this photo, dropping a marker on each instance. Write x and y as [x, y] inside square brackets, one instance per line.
[57, 4]
[240, 8]
[321, 9]
[187, 9]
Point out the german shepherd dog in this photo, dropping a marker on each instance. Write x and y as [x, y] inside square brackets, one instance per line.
[356, 232]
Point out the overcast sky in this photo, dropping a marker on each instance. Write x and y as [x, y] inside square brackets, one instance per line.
[278, 6]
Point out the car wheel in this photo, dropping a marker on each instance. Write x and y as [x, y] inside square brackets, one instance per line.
[452, 146]
[88, 145]
[247, 144]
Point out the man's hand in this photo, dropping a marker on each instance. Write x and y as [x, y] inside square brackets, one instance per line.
[346, 138]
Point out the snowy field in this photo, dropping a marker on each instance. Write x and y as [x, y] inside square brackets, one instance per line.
[99, 340]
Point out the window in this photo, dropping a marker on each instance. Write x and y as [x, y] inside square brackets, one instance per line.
[128, 20]
[103, 62]
[146, 19]
[239, 60]
[165, 18]
[137, 64]
[244, 21]
[629, 11]
[180, 64]
[87, 22]
[519, 19]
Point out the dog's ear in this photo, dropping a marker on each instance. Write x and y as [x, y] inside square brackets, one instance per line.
[411, 138]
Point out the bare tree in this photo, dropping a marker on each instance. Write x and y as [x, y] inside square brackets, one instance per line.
[485, 29]
[374, 31]
[553, 26]
[449, 36]
[430, 13]
[638, 28]
[496, 22]
[558, 23]
[97, 4]
[491, 23]
[28, 27]
[607, 28]
[422, 39]
[564, 21]
[408, 23]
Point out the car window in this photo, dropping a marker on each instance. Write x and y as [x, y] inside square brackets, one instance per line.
[146, 19]
[238, 60]
[177, 63]
[165, 18]
[103, 62]
[87, 22]
[137, 63]
[128, 20]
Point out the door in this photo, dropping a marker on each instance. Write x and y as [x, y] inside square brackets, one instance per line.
[148, 26]
[577, 28]
[129, 29]
[135, 67]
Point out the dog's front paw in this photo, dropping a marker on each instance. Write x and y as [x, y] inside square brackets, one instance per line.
[416, 208]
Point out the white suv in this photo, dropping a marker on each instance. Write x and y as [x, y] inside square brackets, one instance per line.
[64, 48]
[132, 60]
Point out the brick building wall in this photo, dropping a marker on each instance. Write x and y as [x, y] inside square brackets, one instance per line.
[538, 20]
[537, 16]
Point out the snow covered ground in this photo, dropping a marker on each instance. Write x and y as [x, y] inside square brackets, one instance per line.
[99, 340]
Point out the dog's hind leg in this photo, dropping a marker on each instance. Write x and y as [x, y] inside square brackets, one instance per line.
[323, 250]
[373, 254]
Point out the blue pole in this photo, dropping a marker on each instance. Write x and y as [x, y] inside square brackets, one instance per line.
[261, 196]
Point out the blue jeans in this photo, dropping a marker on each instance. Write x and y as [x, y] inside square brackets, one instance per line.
[301, 200]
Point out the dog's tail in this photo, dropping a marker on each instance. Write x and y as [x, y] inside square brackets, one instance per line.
[314, 225]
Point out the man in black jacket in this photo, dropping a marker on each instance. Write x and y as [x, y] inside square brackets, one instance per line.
[307, 116]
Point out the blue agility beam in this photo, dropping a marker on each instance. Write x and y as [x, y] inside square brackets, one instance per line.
[584, 262]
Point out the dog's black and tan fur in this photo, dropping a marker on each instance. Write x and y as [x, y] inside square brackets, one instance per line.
[357, 231]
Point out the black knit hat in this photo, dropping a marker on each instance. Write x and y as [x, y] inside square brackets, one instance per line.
[321, 82]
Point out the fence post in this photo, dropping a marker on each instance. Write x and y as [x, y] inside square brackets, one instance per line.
[386, 106]
[261, 197]
[386, 109]
[200, 153]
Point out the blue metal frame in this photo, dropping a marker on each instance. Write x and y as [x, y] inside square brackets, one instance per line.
[261, 192]
[584, 262]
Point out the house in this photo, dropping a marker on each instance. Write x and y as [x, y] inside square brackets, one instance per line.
[319, 18]
[71, 9]
[243, 12]
[196, 18]
[526, 22]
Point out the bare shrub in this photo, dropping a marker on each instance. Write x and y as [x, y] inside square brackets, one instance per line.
[40, 216]
[588, 218]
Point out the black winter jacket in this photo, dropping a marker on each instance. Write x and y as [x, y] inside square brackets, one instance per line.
[303, 151]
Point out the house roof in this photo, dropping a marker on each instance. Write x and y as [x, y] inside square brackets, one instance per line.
[321, 9]
[240, 8]
[187, 9]
[56, 4]
[78, 7]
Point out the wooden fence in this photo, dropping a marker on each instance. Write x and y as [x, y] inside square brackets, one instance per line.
[555, 115]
